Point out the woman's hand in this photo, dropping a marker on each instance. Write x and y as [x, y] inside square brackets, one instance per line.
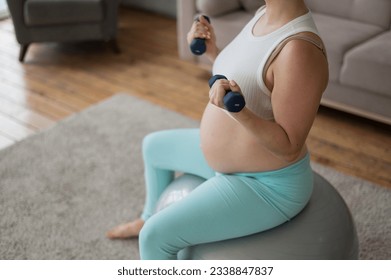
[203, 29]
[219, 90]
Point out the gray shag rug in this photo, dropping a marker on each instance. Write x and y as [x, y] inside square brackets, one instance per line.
[62, 189]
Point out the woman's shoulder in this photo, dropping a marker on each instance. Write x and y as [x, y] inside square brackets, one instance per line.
[305, 57]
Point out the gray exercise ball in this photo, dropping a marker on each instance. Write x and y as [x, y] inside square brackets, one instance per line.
[323, 230]
[178, 189]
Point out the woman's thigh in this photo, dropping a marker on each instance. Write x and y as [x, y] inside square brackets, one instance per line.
[223, 207]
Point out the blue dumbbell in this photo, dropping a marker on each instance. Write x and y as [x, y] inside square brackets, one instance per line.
[233, 101]
[197, 46]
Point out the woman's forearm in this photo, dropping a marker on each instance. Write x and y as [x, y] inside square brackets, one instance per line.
[211, 55]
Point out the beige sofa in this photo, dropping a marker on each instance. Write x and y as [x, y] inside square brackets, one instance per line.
[357, 36]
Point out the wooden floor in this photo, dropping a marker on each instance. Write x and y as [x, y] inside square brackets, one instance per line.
[59, 80]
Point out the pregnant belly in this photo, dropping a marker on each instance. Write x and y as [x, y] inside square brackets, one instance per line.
[229, 148]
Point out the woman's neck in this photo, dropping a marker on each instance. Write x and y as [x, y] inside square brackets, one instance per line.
[279, 12]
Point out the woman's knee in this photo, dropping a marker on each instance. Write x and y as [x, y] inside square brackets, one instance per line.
[155, 240]
[148, 240]
[151, 143]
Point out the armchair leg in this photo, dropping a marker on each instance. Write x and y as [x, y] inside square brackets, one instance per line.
[23, 51]
[114, 45]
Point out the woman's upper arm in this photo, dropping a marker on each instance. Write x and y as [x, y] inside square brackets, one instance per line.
[300, 76]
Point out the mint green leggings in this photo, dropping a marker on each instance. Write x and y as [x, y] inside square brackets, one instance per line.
[225, 206]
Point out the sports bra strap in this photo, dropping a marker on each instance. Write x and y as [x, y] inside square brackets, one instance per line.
[318, 43]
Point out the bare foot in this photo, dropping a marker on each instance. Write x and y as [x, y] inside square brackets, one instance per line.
[127, 230]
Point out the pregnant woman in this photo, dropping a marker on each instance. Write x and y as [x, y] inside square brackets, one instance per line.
[255, 161]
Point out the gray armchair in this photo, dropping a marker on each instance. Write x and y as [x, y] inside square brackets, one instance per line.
[64, 21]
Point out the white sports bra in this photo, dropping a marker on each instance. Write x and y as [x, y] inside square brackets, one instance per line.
[247, 58]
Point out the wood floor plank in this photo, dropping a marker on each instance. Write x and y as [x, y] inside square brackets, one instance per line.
[13, 129]
[34, 120]
[58, 92]
[55, 77]
[351, 136]
[24, 115]
[34, 101]
[342, 159]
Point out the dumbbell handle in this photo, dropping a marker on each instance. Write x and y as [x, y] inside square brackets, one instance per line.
[197, 46]
[233, 101]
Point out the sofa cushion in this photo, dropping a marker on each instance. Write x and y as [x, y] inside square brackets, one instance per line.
[339, 36]
[368, 66]
[377, 12]
[251, 5]
[49, 12]
[221, 7]
[234, 22]
[217, 7]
